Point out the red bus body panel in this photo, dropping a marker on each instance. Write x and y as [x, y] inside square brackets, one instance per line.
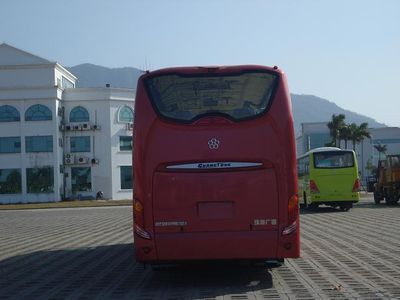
[223, 213]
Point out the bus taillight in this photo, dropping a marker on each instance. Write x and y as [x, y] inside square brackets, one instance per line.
[138, 217]
[293, 208]
[356, 186]
[293, 212]
[313, 187]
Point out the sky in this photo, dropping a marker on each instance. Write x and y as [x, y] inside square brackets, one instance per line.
[347, 52]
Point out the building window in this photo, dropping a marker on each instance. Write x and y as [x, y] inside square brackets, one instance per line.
[38, 112]
[9, 114]
[81, 179]
[126, 178]
[125, 143]
[10, 181]
[67, 84]
[39, 143]
[125, 114]
[10, 144]
[79, 114]
[80, 144]
[40, 180]
[316, 140]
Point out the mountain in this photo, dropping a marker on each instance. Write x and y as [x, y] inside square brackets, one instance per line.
[90, 75]
[306, 108]
[309, 108]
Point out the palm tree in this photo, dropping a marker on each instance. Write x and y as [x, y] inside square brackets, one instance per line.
[345, 134]
[335, 125]
[381, 149]
[359, 133]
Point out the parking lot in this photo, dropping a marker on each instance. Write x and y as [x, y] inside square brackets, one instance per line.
[87, 253]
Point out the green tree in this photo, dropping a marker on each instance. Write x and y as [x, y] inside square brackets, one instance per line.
[358, 133]
[345, 134]
[335, 125]
[381, 149]
[371, 168]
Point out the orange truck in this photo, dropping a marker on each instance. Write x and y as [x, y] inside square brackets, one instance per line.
[387, 186]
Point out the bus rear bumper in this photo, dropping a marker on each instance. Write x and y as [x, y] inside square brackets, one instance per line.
[335, 198]
[242, 245]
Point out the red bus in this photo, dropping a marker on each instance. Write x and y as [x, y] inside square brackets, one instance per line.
[214, 165]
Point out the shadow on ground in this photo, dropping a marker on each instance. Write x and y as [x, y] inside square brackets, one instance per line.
[362, 204]
[110, 272]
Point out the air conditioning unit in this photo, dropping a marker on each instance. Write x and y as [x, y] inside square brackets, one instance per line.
[96, 127]
[68, 127]
[69, 159]
[85, 126]
[62, 127]
[82, 160]
[77, 127]
[95, 161]
[129, 126]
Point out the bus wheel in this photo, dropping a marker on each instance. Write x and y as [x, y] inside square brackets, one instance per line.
[281, 261]
[345, 207]
[272, 264]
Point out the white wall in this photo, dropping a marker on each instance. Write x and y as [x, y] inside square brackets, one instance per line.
[103, 105]
[26, 80]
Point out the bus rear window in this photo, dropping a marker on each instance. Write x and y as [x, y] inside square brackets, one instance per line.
[186, 98]
[332, 160]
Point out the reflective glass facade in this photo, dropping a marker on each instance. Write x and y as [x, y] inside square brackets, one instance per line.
[125, 114]
[125, 143]
[39, 143]
[40, 180]
[10, 144]
[80, 144]
[9, 114]
[10, 181]
[38, 112]
[81, 179]
[79, 114]
[126, 178]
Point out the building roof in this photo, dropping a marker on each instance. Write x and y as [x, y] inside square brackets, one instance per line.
[11, 56]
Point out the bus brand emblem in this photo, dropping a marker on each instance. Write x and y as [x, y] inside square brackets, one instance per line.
[213, 144]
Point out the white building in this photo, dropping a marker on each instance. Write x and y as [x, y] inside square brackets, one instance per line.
[57, 141]
[316, 135]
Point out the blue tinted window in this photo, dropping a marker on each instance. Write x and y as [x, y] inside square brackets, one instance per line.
[316, 140]
[39, 143]
[125, 114]
[80, 144]
[10, 144]
[125, 143]
[67, 83]
[40, 180]
[81, 179]
[79, 114]
[126, 178]
[38, 112]
[10, 181]
[9, 114]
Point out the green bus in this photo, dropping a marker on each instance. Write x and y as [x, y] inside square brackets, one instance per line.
[329, 176]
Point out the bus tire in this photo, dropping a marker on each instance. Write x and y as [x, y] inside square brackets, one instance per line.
[281, 261]
[345, 207]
